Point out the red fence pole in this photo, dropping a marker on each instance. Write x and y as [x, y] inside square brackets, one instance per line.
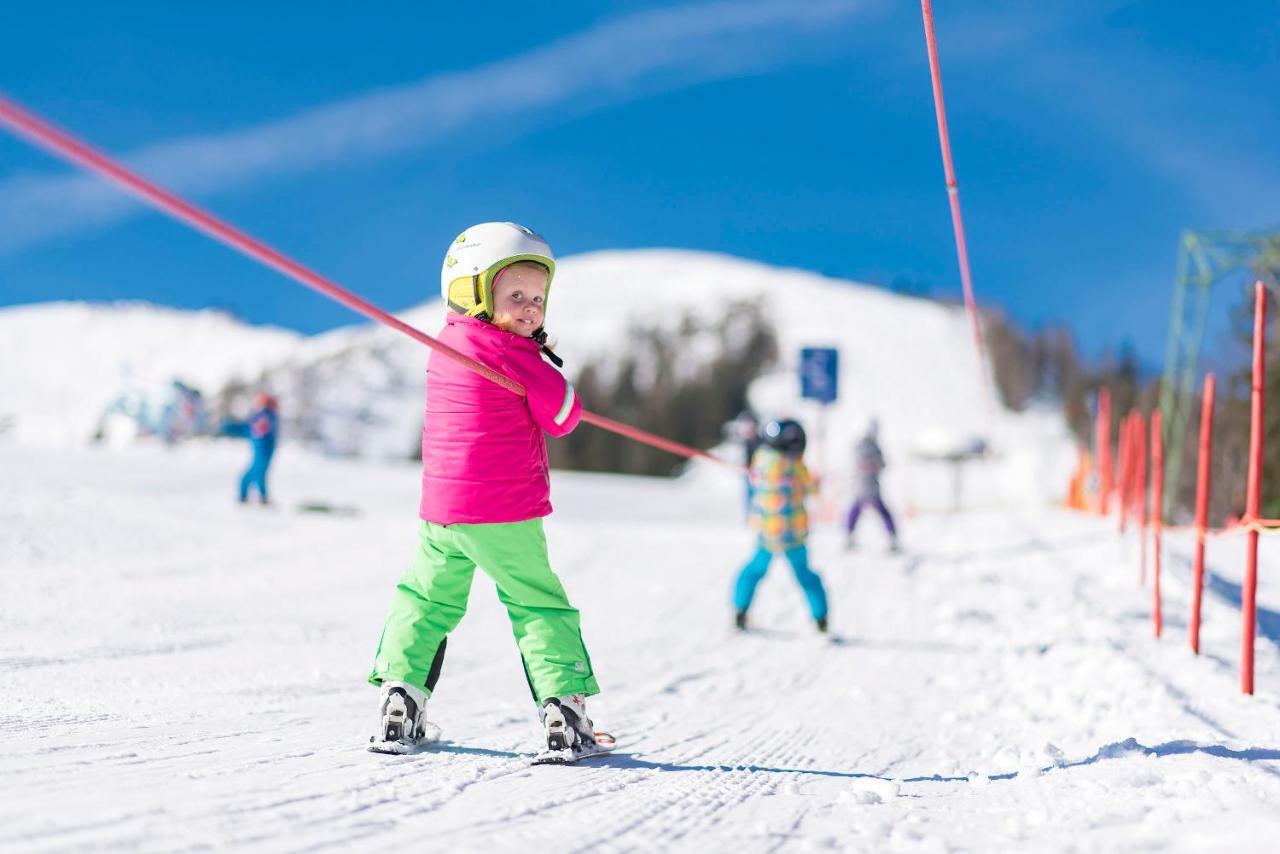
[1122, 469]
[1157, 514]
[1140, 494]
[1203, 469]
[1131, 466]
[1135, 465]
[1253, 498]
[1105, 472]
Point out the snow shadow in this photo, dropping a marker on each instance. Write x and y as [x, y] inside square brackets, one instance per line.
[773, 634]
[1233, 594]
[1268, 619]
[626, 761]
[901, 644]
[1126, 748]
[452, 747]
[1115, 750]
[1131, 746]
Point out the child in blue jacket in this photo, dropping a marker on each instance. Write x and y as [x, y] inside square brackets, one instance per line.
[260, 430]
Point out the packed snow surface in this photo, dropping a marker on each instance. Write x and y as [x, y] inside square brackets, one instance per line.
[178, 672]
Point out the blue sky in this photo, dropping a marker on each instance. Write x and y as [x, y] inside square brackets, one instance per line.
[1086, 136]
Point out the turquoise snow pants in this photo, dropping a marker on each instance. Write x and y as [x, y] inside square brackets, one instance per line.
[744, 590]
[432, 596]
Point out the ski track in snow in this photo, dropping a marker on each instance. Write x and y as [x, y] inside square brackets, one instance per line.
[178, 673]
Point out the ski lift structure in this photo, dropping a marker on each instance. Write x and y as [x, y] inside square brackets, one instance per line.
[1205, 259]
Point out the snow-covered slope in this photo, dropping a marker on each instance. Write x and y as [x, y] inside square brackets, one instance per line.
[178, 673]
[909, 362]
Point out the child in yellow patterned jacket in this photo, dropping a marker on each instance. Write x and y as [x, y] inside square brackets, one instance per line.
[780, 483]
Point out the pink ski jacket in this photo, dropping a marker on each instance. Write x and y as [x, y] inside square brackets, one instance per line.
[484, 456]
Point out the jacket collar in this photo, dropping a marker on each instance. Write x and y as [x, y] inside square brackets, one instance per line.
[485, 326]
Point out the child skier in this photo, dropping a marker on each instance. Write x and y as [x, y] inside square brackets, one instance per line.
[485, 489]
[780, 483]
[260, 430]
[868, 464]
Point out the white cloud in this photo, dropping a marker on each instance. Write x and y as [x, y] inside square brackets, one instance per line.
[618, 59]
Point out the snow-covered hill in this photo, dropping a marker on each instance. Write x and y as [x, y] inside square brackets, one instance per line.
[66, 362]
[357, 390]
[908, 362]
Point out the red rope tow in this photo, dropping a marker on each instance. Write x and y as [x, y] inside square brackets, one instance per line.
[59, 142]
[953, 187]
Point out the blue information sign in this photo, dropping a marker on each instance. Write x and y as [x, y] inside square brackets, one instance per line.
[819, 372]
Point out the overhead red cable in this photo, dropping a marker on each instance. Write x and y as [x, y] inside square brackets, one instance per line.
[45, 135]
[953, 187]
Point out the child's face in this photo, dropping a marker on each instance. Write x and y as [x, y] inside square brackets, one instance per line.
[519, 293]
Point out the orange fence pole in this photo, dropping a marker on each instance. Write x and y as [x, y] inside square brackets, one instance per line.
[1203, 469]
[1253, 498]
[1157, 515]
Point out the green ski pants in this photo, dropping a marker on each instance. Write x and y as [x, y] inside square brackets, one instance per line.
[432, 597]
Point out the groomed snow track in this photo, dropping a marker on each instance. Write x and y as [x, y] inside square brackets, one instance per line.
[178, 673]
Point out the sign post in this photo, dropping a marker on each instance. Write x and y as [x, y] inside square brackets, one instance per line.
[819, 380]
[819, 374]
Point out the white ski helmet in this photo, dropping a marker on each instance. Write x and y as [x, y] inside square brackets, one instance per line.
[479, 254]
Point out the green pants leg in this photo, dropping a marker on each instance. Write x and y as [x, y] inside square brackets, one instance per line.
[432, 597]
[547, 628]
[427, 605]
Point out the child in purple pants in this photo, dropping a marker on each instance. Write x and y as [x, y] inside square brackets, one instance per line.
[868, 463]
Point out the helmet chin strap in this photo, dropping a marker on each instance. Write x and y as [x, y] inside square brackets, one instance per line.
[540, 336]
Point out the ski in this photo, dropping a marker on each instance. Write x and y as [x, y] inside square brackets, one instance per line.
[603, 744]
[430, 735]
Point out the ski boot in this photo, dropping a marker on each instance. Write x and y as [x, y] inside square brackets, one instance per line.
[822, 624]
[403, 724]
[569, 732]
[740, 621]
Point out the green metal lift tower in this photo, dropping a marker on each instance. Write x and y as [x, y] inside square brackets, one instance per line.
[1205, 258]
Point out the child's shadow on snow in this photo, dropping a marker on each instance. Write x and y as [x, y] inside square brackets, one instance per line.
[900, 644]
[453, 747]
[1115, 750]
[775, 634]
[627, 762]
